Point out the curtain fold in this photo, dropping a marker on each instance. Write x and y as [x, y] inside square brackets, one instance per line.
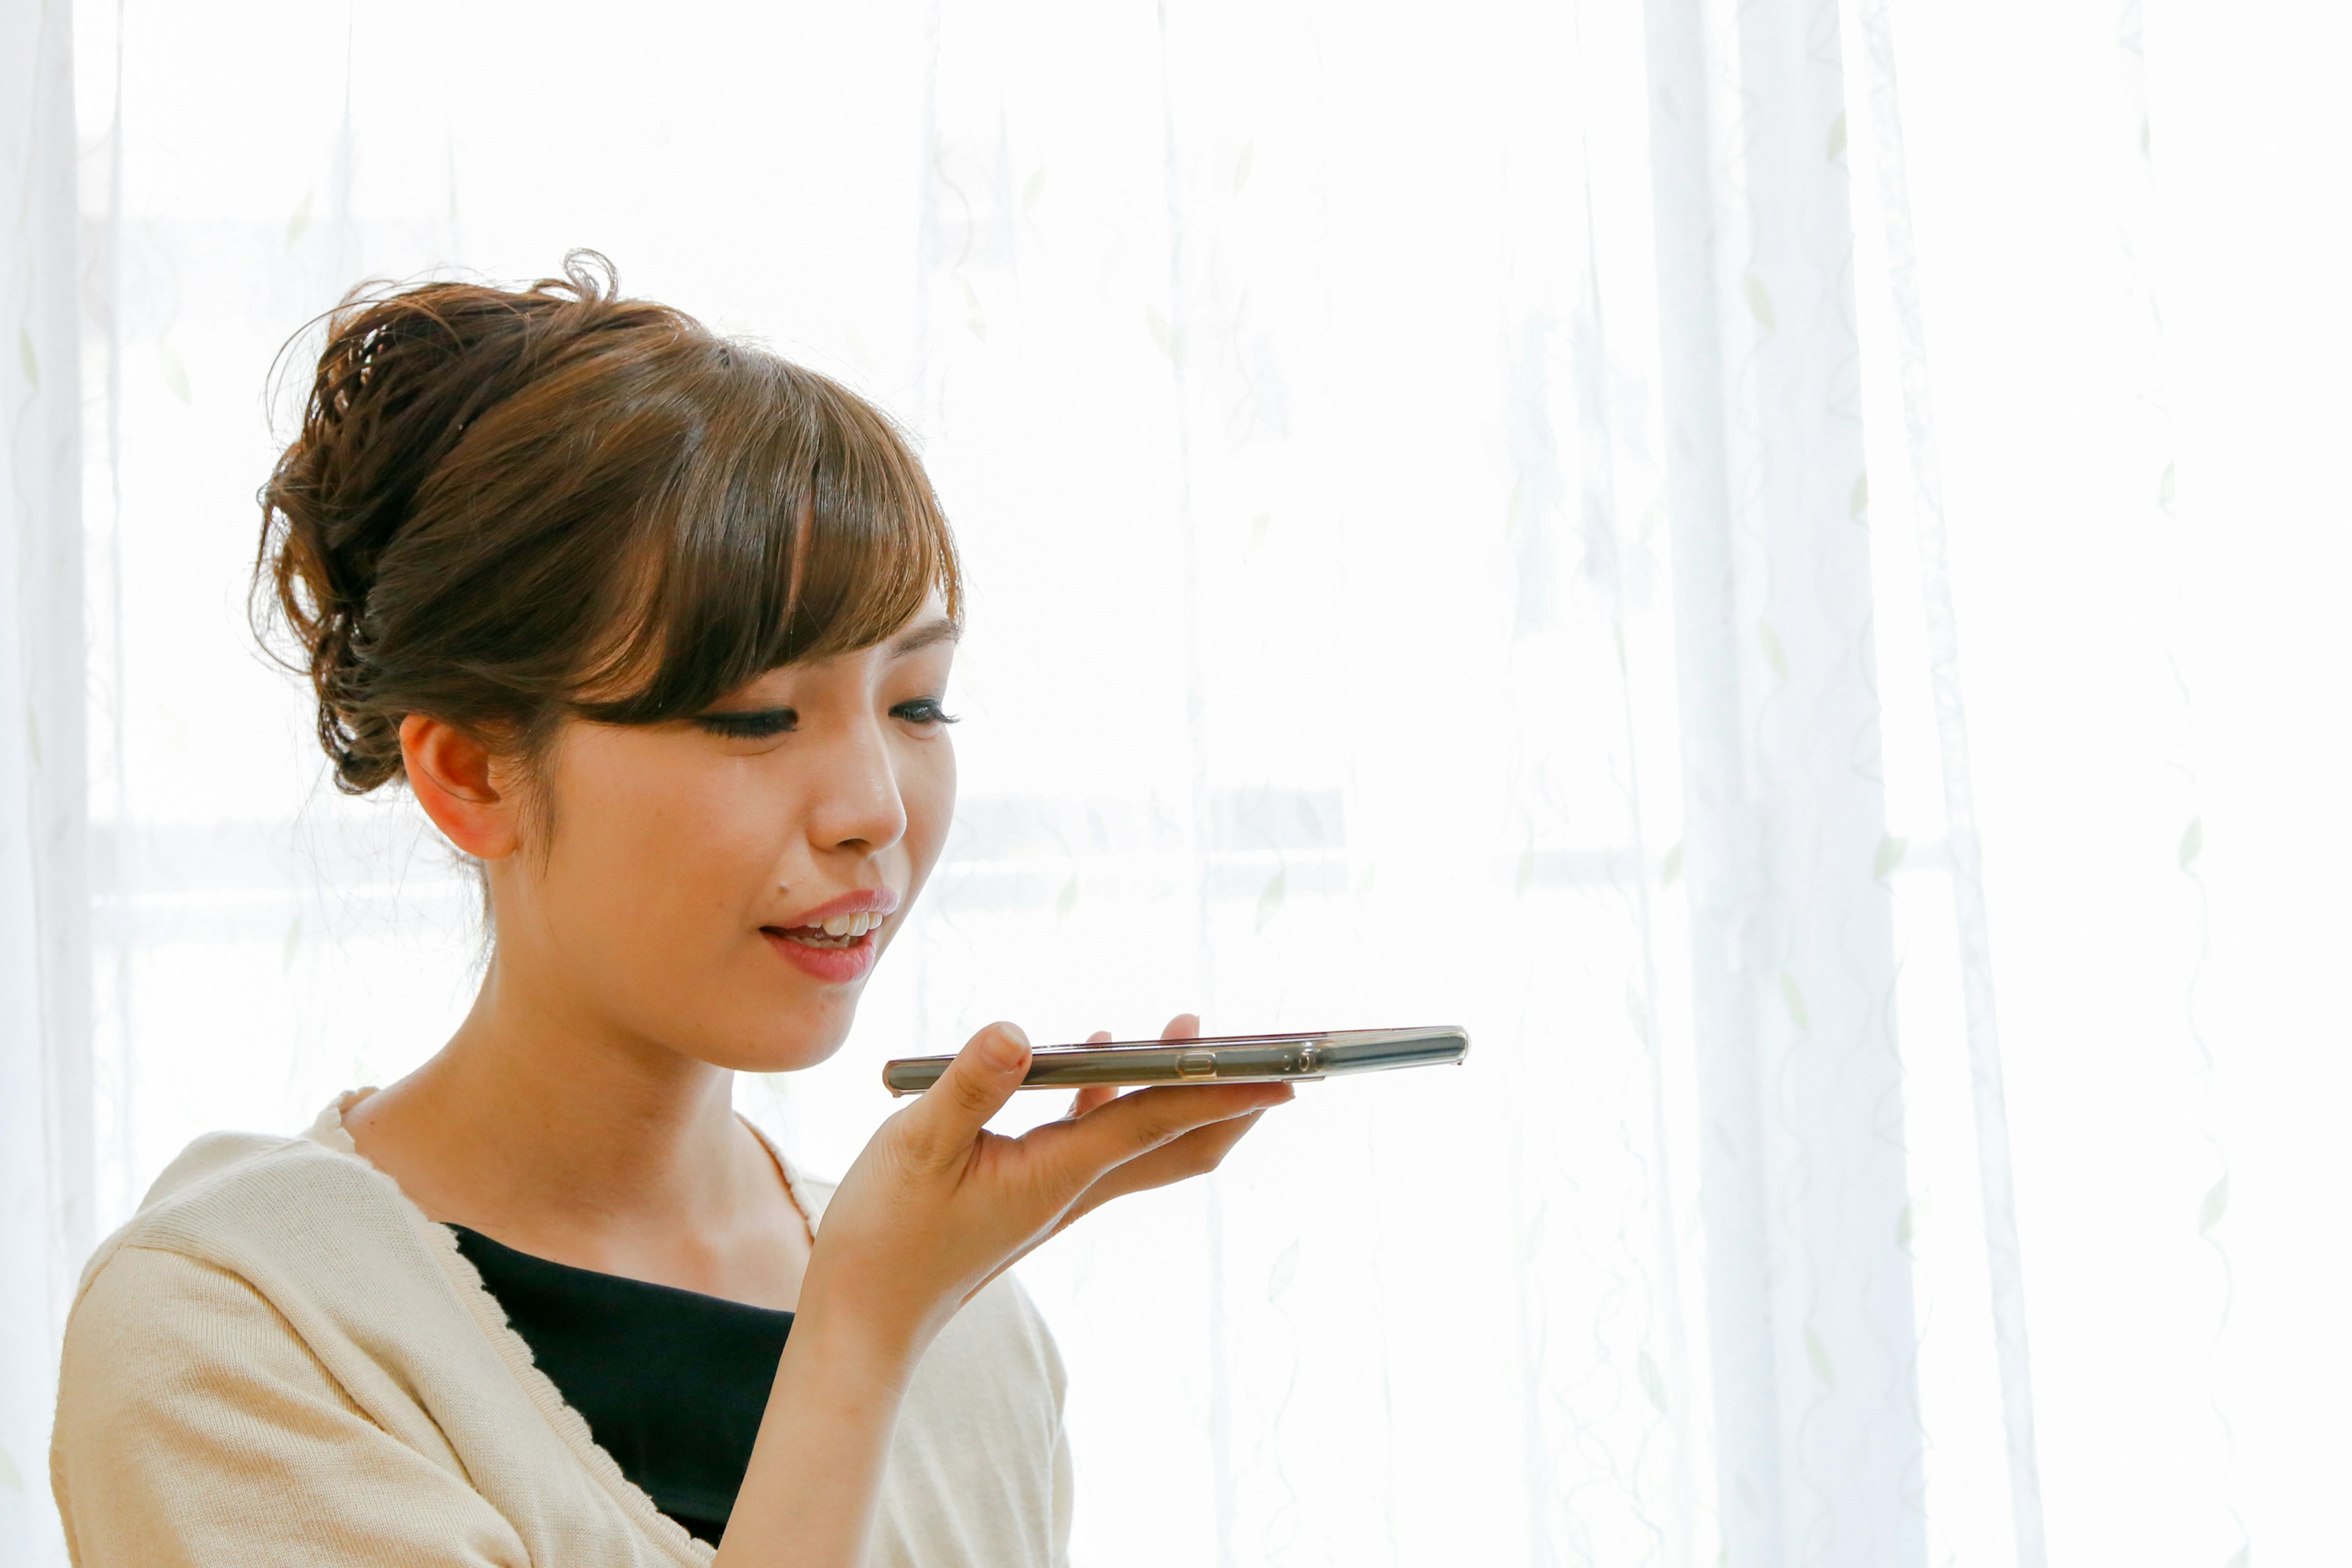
[2004, 1258]
[1800, 1082]
[47, 1185]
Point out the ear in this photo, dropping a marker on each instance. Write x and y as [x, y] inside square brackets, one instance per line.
[457, 779]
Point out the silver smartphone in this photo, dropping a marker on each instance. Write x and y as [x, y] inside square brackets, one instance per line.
[1300, 1058]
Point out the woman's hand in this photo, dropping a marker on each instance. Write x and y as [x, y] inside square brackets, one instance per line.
[937, 1206]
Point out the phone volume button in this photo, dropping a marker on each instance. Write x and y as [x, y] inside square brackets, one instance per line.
[1309, 1059]
[1197, 1064]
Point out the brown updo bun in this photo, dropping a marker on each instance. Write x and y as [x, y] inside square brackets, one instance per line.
[504, 506]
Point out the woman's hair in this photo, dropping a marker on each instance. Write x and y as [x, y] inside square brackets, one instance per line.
[506, 506]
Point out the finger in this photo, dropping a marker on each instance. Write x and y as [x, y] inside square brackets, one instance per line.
[1088, 1098]
[1183, 1027]
[1196, 1153]
[945, 1118]
[1079, 1153]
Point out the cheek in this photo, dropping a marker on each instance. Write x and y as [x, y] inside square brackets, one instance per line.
[656, 844]
[926, 787]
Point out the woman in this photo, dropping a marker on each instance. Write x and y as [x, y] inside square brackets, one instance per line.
[657, 628]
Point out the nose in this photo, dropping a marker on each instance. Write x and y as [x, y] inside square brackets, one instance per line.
[856, 805]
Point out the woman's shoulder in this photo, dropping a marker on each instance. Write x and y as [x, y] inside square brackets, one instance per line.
[237, 1200]
[306, 1233]
[278, 1361]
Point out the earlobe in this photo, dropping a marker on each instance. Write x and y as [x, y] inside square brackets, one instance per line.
[455, 778]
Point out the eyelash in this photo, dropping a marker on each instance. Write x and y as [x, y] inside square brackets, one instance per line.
[928, 712]
[766, 722]
[757, 725]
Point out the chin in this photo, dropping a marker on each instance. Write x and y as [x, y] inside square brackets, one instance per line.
[772, 1021]
[784, 1040]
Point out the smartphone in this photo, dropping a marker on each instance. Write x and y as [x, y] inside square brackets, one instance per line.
[1299, 1058]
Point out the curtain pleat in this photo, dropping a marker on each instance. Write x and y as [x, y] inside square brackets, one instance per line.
[47, 1185]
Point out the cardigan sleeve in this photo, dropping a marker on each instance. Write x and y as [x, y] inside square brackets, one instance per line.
[196, 1429]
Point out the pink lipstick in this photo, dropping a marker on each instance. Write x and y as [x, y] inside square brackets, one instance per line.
[834, 942]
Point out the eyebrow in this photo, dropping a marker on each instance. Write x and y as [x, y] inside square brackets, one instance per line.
[924, 636]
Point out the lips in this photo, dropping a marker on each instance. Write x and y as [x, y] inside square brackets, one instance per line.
[836, 960]
[836, 932]
[834, 942]
[857, 901]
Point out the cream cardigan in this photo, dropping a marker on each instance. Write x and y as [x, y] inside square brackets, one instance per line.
[280, 1360]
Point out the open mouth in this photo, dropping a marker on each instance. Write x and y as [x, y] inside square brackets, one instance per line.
[840, 931]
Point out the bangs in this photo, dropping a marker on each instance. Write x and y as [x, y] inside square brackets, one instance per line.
[796, 524]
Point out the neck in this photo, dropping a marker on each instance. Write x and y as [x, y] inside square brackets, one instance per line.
[538, 1125]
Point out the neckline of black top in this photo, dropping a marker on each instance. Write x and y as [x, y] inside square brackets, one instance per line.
[672, 1383]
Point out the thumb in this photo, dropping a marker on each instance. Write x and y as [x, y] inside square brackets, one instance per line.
[945, 1118]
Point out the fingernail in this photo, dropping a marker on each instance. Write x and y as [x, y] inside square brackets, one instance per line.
[1007, 1047]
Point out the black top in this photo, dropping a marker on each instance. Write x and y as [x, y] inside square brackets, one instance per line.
[672, 1383]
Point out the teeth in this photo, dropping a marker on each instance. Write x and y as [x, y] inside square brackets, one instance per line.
[852, 926]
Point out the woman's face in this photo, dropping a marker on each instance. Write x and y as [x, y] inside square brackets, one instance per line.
[721, 886]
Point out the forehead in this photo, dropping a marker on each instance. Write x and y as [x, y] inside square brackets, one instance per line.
[928, 627]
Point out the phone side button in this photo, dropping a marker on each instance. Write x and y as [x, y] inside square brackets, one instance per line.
[1197, 1064]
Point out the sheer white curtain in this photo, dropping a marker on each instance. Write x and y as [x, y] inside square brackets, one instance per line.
[46, 1174]
[1778, 561]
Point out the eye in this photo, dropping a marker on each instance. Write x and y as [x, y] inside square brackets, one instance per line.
[754, 724]
[923, 711]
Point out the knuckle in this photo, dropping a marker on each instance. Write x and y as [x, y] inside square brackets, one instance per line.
[911, 1141]
[1163, 1127]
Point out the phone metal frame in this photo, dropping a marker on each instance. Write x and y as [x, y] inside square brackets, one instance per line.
[1300, 1057]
